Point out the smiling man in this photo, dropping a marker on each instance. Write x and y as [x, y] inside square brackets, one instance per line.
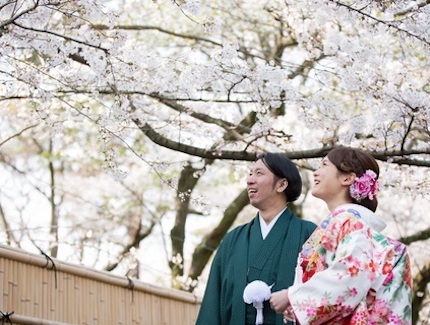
[264, 249]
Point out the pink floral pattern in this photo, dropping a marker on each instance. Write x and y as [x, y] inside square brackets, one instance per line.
[348, 276]
[365, 186]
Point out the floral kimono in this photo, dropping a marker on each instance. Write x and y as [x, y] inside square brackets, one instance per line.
[349, 273]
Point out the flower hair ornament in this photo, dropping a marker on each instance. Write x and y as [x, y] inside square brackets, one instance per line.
[365, 186]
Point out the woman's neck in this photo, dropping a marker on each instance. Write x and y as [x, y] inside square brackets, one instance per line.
[334, 204]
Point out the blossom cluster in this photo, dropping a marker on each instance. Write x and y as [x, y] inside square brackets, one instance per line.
[365, 186]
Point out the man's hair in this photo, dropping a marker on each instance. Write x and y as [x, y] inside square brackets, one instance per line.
[282, 167]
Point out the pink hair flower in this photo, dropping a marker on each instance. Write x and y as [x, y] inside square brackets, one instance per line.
[365, 186]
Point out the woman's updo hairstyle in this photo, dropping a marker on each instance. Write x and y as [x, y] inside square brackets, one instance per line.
[351, 160]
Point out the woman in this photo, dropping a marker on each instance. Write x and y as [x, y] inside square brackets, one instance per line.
[348, 272]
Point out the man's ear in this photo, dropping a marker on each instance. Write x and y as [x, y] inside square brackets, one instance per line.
[282, 185]
[348, 179]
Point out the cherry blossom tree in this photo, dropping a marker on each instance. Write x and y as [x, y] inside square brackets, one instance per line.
[123, 114]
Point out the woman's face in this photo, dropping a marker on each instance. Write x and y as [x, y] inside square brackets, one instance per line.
[327, 182]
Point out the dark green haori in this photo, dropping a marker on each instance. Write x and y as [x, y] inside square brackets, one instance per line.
[243, 257]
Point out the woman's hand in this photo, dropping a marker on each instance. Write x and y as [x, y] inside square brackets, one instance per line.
[279, 301]
[289, 315]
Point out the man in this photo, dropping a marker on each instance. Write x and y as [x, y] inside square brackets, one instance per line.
[264, 249]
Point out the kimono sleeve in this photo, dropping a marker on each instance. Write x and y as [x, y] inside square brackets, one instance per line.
[210, 308]
[348, 270]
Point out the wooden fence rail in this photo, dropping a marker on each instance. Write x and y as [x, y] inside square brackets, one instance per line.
[36, 290]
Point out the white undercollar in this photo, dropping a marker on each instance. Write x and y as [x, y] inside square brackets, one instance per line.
[265, 228]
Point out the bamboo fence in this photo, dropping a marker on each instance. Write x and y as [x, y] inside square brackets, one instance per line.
[37, 290]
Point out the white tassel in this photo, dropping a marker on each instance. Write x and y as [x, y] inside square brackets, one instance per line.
[259, 318]
[298, 277]
[256, 293]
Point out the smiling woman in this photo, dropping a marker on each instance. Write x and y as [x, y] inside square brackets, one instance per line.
[360, 166]
[179, 101]
[348, 272]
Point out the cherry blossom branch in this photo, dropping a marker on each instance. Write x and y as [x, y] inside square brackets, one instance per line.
[17, 134]
[394, 156]
[134, 27]
[68, 38]
[180, 35]
[419, 236]
[411, 8]
[391, 156]
[202, 117]
[18, 15]
[391, 25]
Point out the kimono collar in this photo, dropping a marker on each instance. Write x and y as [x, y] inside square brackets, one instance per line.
[265, 228]
[367, 215]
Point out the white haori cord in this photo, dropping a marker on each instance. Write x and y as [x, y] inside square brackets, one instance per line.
[256, 293]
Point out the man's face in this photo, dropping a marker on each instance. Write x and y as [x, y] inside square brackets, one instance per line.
[262, 185]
